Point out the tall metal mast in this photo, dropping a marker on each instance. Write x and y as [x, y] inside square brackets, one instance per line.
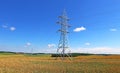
[63, 48]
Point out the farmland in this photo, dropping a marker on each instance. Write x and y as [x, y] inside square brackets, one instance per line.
[20, 63]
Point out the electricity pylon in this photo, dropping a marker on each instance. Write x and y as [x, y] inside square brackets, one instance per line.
[63, 48]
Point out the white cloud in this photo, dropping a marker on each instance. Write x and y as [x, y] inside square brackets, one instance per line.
[27, 44]
[4, 26]
[51, 45]
[113, 29]
[12, 28]
[97, 50]
[79, 29]
[87, 43]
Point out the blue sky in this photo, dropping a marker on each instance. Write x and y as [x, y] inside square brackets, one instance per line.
[26, 24]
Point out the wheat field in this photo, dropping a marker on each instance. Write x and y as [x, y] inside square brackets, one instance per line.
[47, 64]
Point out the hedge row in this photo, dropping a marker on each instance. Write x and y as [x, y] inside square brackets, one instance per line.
[72, 54]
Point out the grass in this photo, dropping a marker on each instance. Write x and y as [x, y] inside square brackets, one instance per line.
[46, 64]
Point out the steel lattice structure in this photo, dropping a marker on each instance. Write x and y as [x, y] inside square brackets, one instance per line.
[63, 48]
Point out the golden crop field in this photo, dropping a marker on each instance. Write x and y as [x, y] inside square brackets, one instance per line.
[47, 64]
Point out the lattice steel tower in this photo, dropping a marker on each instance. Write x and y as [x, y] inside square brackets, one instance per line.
[63, 48]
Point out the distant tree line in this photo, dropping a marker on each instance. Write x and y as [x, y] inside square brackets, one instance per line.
[71, 54]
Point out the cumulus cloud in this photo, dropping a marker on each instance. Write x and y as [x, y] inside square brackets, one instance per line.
[95, 50]
[87, 44]
[4, 26]
[113, 29]
[12, 28]
[98, 50]
[51, 45]
[79, 29]
[27, 44]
